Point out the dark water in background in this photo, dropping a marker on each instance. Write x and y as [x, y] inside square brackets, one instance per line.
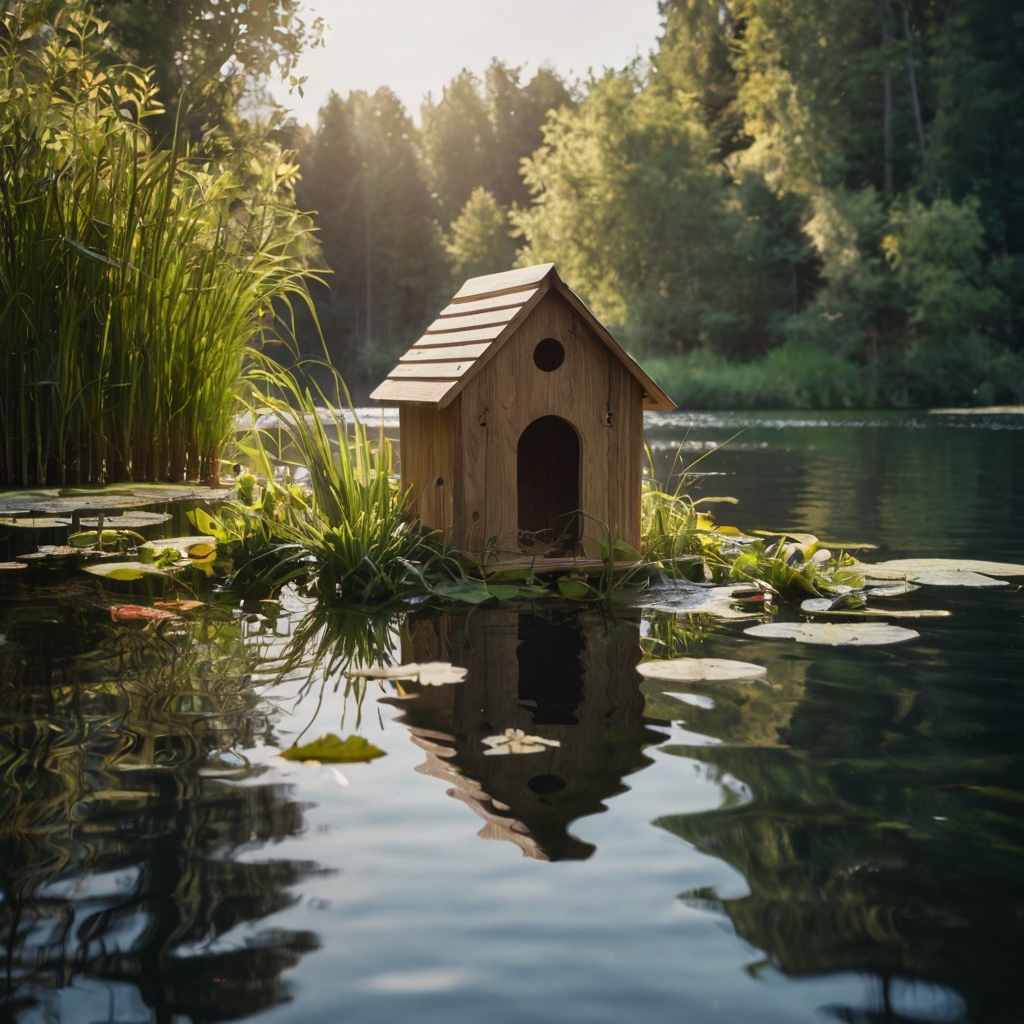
[845, 845]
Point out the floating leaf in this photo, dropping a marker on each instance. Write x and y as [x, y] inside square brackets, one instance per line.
[503, 591]
[943, 572]
[881, 590]
[890, 613]
[835, 634]
[138, 613]
[124, 570]
[441, 673]
[515, 741]
[151, 550]
[429, 673]
[690, 599]
[201, 550]
[692, 670]
[331, 749]
[467, 591]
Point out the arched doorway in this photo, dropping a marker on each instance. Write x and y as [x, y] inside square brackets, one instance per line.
[548, 481]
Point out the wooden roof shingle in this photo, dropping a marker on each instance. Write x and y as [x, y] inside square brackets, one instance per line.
[481, 317]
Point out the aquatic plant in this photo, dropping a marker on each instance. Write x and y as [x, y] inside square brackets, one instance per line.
[133, 280]
[350, 519]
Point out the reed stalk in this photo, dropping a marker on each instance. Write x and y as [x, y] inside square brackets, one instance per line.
[134, 281]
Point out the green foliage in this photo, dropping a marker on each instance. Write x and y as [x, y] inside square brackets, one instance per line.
[481, 241]
[130, 278]
[352, 521]
[205, 52]
[477, 134]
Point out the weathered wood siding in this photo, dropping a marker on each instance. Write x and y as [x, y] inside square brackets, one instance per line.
[592, 390]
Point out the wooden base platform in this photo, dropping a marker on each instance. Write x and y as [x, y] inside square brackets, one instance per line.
[543, 566]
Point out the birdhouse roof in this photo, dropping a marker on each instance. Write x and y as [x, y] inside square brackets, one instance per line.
[482, 316]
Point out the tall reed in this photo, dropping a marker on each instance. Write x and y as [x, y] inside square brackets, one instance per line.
[132, 279]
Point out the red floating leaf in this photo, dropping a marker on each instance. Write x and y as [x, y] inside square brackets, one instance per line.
[138, 613]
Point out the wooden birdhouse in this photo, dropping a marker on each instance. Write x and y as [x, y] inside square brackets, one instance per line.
[521, 422]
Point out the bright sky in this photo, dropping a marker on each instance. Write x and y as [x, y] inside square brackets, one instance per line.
[416, 46]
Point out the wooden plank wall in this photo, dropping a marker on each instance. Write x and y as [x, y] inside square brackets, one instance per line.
[426, 463]
[591, 389]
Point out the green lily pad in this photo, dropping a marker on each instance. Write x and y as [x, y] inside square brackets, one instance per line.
[467, 591]
[331, 749]
[124, 570]
[834, 634]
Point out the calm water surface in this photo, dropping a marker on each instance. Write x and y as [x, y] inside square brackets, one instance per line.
[846, 844]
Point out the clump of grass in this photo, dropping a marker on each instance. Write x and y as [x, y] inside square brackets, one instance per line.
[133, 280]
[351, 521]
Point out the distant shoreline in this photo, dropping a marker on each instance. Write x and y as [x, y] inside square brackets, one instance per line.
[1002, 410]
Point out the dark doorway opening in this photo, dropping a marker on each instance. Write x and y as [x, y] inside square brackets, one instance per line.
[549, 484]
[550, 655]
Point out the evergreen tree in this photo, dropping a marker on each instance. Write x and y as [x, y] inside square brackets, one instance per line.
[363, 178]
[481, 239]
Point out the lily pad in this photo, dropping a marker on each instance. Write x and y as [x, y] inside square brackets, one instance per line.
[331, 749]
[692, 670]
[834, 634]
[429, 673]
[943, 572]
[888, 613]
[124, 570]
[467, 591]
[690, 599]
[149, 551]
[515, 741]
[139, 613]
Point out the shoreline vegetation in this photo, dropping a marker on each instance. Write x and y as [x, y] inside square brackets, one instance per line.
[145, 283]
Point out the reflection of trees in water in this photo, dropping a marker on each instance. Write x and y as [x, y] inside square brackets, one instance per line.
[118, 750]
[871, 843]
[547, 674]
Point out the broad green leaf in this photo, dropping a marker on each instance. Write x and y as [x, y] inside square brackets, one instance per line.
[503, 592]
[150, 551]
[692, 670]
[468, 591]
[331, 749]
[124, 570]
[573, 590]
[834, 634]
[207, 524]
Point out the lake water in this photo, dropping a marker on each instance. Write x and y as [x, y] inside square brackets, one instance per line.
[844, 844]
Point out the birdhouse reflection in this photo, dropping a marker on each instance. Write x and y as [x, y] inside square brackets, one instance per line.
[557, 675]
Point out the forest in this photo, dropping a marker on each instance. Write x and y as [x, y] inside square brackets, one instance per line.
[791, 203]
[787, 203]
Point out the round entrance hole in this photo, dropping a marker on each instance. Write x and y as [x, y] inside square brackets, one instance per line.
[548, 355]
[546, 784]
